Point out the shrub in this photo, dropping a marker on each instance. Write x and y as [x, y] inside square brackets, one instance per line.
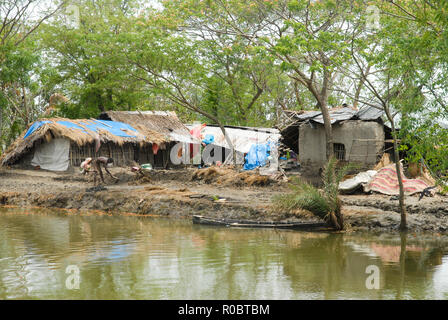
[324, 203]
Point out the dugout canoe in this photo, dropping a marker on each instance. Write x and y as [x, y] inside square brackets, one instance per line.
[259, 224]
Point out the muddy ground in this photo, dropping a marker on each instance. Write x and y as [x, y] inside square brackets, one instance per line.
[178, 193]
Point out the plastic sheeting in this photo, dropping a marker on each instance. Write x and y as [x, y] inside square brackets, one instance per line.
[362, 178]
[386, 182]
[197, 130]
[53, 156]
[36, 125]
[114, 127]
[257, 156]
[209, 138]
[241, 138]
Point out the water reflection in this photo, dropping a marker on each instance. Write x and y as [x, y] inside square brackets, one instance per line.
[132, 257]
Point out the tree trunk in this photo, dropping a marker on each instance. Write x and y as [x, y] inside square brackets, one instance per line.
[215, 119]
[403, 243]
[339, 215]
[359, 88]
[328, 130]
[297, 94]
[25, 106]
[322, 99]
[229, 142]
[403, 223]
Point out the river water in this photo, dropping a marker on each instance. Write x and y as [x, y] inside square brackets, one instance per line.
[61, 255]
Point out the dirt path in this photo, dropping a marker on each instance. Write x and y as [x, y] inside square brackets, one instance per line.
[174, 193]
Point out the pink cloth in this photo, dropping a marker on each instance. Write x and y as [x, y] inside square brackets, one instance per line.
[196, 133]
[155, 148]
[386, 182]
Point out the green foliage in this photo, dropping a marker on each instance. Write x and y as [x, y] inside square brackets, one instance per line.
[87, 69]
[323, 203]
[241, 62]
[304, 196]
[17, 88]
[428, 141]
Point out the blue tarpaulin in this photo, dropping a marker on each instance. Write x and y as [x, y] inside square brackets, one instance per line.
[36, 125]
[114, 127]
[257, 156]
[209, 138]
[69, 124]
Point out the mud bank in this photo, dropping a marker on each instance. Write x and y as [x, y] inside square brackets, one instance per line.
[173, 203]
[372, 212]
[170, 193]
[177, 194]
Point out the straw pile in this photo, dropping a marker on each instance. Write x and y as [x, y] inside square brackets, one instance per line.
[230, 177]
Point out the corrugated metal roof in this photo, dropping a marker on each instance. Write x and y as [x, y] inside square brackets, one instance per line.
[336, 115]
[258, 129]
[369, 113]
[308, 115]
[339, 114]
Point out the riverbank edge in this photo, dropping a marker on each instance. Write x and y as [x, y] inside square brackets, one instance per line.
[377, 216]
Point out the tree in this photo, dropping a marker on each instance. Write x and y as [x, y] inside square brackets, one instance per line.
[424, 128]
[19, 20]
[85, 68]
[243, 81]
[309, 40]
[389, 62]
[178, 76]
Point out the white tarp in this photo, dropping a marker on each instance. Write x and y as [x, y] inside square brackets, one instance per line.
[360, 179]
[53, 155]
[183, 138]
[242, 139]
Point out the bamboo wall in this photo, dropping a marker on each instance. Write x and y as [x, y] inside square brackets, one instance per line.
[122, 155]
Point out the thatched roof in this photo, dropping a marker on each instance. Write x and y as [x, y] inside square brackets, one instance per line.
[164, 122]
[81, 132]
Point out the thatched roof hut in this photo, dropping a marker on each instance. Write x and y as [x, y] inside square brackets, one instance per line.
[78, 134]
[164, 122]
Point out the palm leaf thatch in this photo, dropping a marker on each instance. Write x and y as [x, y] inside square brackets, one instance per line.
[80, 132]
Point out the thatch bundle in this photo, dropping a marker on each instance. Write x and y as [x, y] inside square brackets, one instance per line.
[80, 135]
[230, 177]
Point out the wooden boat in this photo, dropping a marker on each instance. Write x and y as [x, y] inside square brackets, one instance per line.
[259, 224]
